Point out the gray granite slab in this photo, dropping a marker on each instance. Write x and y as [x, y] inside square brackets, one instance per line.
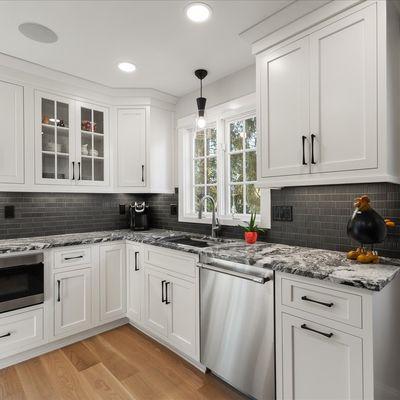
[314, 263]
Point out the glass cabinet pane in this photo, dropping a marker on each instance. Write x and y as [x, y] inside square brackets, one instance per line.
[55, 120]
[92, 144]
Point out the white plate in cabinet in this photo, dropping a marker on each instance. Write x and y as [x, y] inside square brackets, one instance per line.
[68, 257]
[112, 281]
[333, 304]
[20, 331]
[318, 362]
[72, 301]
[135, 282]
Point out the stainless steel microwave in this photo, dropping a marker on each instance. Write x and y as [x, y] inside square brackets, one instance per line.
[21, 281]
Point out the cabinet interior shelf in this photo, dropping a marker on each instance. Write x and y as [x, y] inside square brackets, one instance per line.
[94, 157]
[52, 153]
[93, 133]
[64, 128]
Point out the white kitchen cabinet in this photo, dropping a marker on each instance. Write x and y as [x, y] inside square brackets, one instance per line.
[322, 363]
[284, 96]
[92, 145]
[135, 275]
[112, 281]
[343, 94]
[11, 133]
[181, 299]
[131, 147]
[325, 102]
[155, 310]
[72, 301]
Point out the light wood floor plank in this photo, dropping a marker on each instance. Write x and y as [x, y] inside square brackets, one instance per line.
[35, 381]
[65, 378]
[104, 384]
[121, 364]
[10, 385]
[80, 356]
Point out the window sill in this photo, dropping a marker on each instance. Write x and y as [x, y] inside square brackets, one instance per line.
[223, 220]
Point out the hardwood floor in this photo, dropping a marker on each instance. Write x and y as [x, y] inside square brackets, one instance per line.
[119, 364]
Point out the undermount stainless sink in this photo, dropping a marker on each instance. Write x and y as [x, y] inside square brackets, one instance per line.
[196, 241]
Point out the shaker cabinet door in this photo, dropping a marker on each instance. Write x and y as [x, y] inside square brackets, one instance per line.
[112, 281]
[283, 119]
[319, 363]
[343, 93]
[131, 147]
[135, 283]
[11, 133]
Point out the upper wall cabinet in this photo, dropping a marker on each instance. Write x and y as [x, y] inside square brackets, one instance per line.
[72, 144]
[131, 147]
[11, 133]
[144, 149]
[322, 109]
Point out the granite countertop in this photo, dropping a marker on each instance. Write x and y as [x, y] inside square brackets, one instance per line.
[314, 263]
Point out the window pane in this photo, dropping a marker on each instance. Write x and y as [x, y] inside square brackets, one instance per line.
[212, 191]
[251, 137]
[199, 144]
[237, 167]
[212, 170]
[237, 199]
[199, 171]
[198, 194]
[236, 135]
[252, 199]
[211, 141]
[251, 166]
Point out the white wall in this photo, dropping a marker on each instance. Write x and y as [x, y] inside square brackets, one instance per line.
[228, 88]
[231, 87]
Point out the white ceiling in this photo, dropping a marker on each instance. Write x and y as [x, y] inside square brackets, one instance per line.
[154, 34]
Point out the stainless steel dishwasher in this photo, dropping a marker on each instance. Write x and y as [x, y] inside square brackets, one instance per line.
[237, 326]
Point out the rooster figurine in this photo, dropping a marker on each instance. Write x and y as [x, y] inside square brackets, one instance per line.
[367, 227]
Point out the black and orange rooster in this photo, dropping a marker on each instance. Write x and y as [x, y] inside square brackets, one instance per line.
[367, 227]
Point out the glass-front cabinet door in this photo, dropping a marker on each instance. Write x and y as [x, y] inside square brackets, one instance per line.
[92, 146]
[54, 140]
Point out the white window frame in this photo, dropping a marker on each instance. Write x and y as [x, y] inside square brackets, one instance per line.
[217, 117]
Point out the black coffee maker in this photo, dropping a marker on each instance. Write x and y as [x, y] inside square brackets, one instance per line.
[139, 213]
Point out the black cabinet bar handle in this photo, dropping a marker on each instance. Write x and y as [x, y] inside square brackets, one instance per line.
[58, 290]
[79, 170]
[303, 139]
[73, 170]
[312, 149]
[136, 261]
[328, 335]
[305, 298]
[166, 293]
[7, 334]
[142, 173]
[72, 258]
[162, 292]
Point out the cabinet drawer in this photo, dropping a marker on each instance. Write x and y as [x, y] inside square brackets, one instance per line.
[70, 257]
[175, 261]
[20, 331]
[333, 304]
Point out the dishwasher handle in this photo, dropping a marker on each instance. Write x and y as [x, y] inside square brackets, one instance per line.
[257, 279]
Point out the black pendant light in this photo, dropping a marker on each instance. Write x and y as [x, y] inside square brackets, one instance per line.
[201, 101]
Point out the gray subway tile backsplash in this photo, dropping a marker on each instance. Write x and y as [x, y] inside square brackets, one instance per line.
[320, 214]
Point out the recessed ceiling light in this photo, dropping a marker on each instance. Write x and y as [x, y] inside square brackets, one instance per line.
[127, 66]
[37, 32]
[198, 12]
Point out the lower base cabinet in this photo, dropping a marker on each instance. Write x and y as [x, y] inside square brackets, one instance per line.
[112, 281]
[319, 362]
[135, 276]
[72, 301]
